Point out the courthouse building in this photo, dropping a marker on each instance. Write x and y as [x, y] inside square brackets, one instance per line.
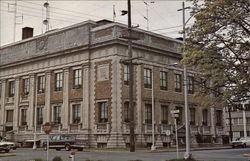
[73, 78]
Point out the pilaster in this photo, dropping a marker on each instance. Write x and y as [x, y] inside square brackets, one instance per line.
[85, 108]
[116, 140]
[16, 105]
[65, 109]
[47, 97]
[30, 118]
[213, 127]
[2, 110]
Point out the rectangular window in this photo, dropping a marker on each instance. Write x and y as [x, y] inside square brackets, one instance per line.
[218, 117]
[147, 78]
[76, 113]
[126, 74]
[205, 117]
[39, 116]
[177, 83]
[180, 118]
[41, 84]
[126, 112]
[23, 116]
[164, 114]
[148, 113]
[163, 81]
[11, 88]
[59, 81]
[9, 115]
[190, 85]
[192, 116]
[57, 114]
[77, 78]
[103, 112]
[26, 86]
[248, 120]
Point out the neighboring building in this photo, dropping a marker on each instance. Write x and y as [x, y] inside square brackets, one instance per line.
[73, 77]
[237, 122]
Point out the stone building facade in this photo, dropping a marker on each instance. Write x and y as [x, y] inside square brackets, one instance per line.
[73, 78]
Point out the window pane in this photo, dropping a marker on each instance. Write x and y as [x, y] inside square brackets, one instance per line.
[77, 78]
[76, 113]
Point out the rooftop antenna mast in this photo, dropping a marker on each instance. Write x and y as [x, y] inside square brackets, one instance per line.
[47, 20]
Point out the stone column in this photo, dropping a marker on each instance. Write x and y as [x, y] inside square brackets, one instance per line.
[140, 139]
[65, 108]
[85, 104]
[2, 111]
[213, 127]
[116, 139]
[16, 105]
[32, 91]
[47, 110]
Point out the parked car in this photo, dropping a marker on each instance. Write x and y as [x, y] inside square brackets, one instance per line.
[7, 146]
[66, 142]
[241, 142]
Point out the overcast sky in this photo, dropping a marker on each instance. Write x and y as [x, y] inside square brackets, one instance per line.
[163, 15]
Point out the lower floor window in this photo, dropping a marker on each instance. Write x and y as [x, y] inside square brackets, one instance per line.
[103, 111]
[57, 114]
[76, 113]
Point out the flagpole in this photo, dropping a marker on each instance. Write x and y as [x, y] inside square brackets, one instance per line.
[114, 14]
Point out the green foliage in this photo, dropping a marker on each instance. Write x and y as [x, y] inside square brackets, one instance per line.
[57, 158]
[218, 46]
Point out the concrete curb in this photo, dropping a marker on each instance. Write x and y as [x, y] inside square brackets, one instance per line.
[7, 154]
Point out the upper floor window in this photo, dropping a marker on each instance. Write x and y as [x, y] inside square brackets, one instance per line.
[126, 74]
[76, 118]
[103, 112]
[218, 117]
[9, 115]
[23, 116]
[190, 85]
[39, 114]
[205, 117]
[126, 112]
[26, 88]
[164, 114]
[77, 78]
[11, 88]
[147, 78]
[192, 116]
[41, 84]
[59, 81]
[163, 80]
[177, 83]
[148, 113]
[57, 114]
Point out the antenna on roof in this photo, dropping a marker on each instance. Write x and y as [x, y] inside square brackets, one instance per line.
[46, 21]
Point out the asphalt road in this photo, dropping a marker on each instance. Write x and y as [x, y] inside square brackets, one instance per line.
[205, 155]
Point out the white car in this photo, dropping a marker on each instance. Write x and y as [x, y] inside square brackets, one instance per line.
[241, 142]
[7, 146]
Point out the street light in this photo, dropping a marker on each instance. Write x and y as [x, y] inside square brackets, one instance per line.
[188, 153]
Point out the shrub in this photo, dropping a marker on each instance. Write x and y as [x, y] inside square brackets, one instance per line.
[57, 158]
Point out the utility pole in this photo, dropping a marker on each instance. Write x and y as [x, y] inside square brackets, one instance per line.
[230, 124]
[188, 153]
[131, 82]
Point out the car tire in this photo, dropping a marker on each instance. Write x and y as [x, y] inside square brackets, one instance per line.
[233, 146]
[7, 150]
[67, 147]
[244, 145]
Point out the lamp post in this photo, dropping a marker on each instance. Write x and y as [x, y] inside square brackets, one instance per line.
[35, 117]
[187, 153]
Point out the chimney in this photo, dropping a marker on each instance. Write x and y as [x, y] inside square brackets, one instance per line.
[27, 32]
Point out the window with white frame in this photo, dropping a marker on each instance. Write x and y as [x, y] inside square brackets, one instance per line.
[163, 80]
[57, 114]
[9, 115]
[77, 78]
[103, 112]
[26, 86]
[126, 74]
[147, 78]
[11, 88]
[76, 118]
[23, 116]
[41, 84]
[58, 81]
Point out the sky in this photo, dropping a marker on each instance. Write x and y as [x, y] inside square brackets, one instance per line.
[163, 16]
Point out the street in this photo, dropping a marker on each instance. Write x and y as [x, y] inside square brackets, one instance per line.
[205, 155]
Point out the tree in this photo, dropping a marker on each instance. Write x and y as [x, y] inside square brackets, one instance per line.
[218, 46]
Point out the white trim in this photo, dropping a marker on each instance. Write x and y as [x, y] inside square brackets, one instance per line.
[58, 71]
